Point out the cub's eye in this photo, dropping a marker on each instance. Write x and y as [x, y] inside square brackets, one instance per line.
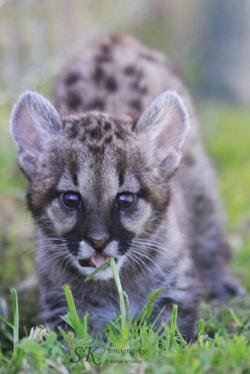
[125, 200]
[71, 200]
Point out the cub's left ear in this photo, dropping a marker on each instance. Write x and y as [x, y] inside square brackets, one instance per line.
[165, 123]
[34, 122]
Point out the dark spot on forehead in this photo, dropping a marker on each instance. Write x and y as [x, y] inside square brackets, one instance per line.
[107, 126]
[98, 127]
[96, 133]
[88, 122]
[108, 140]
[118, 134]
[73, 168]
[96, 148]
[75, 179]
[121, 165]
[71, 130]
[121, 177]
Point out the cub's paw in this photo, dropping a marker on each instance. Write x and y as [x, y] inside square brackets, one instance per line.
[225, 289]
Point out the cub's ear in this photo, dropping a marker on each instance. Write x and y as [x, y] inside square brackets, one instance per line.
[34, 121]
[165, 124]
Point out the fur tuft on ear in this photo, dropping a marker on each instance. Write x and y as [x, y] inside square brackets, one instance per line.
[165, 123]
[34, 121]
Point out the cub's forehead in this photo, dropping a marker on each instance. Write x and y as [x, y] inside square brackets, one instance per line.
[99, 129]
[98, 151]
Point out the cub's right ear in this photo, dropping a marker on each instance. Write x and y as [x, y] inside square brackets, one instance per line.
[34, 121]
[165, 123]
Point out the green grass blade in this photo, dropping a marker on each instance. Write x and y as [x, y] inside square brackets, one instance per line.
[72, 317]
[93, 274]
[6, 322]
[148, 308]
[119, 289]
[236, 319]
[173, 326]
[15, 317]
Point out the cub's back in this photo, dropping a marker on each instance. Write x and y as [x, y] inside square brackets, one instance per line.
[118, 75]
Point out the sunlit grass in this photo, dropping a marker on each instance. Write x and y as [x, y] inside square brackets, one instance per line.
[227, 135]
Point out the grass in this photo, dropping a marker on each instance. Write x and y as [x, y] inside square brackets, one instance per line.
[121, 293]
[223, 330]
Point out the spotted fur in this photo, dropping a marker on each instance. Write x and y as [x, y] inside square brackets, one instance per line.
[97, 142]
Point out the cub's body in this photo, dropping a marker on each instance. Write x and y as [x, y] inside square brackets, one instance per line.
[121, 76]
[101, 146]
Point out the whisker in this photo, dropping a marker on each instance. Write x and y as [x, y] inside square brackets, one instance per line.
[136, 260]
[150, 259]
[130, 263]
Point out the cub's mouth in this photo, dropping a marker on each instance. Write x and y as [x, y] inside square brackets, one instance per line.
[95, 261]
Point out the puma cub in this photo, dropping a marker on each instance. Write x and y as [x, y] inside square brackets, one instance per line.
[116, 167]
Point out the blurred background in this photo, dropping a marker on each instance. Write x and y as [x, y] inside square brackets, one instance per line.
[207, 41]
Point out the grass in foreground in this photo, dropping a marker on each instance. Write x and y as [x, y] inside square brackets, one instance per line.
[129, 345]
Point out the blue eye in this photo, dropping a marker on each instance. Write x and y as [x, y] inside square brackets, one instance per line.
[125, 200]
[71, 200]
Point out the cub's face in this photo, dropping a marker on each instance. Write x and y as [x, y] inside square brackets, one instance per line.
[98, 184]
[94, 190]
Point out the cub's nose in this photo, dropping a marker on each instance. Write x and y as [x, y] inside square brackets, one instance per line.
[98, 244]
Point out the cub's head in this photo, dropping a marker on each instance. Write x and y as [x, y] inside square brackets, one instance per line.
[98, 184]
